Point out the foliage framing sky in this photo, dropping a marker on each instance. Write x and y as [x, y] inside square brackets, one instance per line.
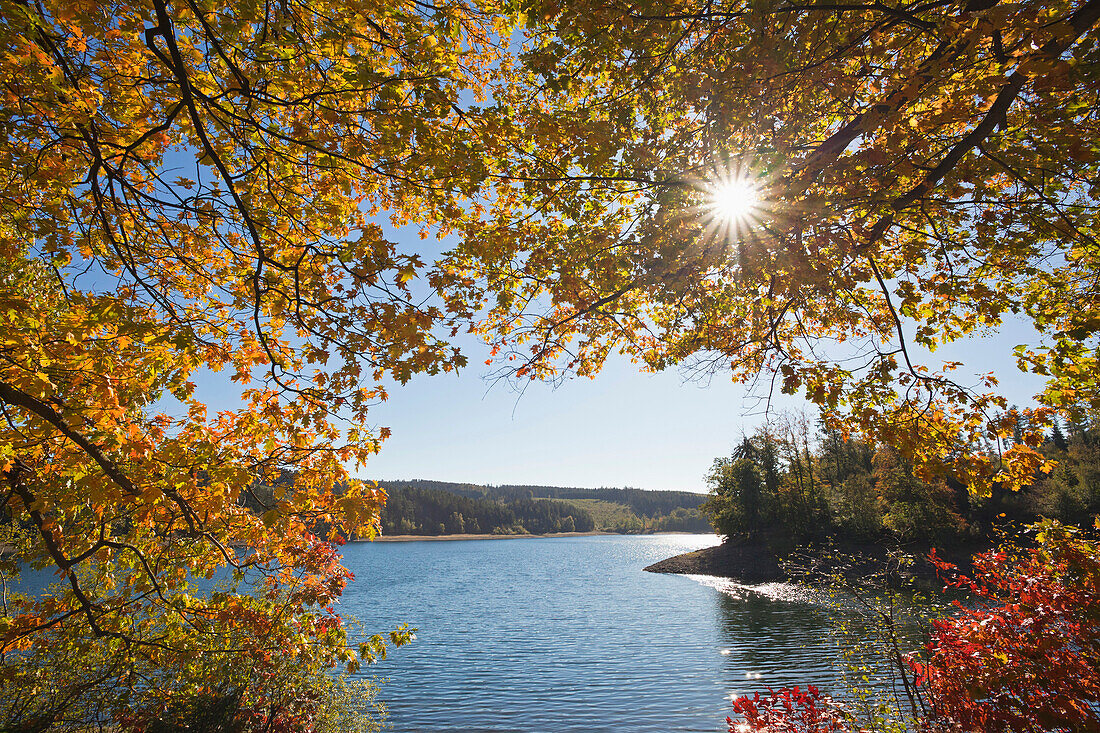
[621, 429]
[624, 428]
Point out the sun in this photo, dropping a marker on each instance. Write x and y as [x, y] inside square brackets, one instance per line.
[734, 199]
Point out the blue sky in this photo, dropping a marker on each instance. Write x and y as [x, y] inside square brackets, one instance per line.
[625, 428]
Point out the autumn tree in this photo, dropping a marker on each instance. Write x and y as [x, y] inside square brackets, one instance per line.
[192, 188]
[806, 195]
[1023, 653]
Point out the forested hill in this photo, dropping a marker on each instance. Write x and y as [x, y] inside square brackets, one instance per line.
[439, 507]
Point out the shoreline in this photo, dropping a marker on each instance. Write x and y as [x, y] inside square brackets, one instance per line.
[463, 537]
[763, 560]
[5, 549]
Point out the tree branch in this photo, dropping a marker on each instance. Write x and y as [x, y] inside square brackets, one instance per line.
[19, 398]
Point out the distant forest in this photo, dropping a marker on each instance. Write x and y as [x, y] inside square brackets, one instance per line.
[797, 478]
[440, 508]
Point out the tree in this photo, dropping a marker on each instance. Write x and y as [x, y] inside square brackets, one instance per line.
[734, 504]
[189, 188]
[913, 173]
[914, 509]
[846, 466]
[1058, 438]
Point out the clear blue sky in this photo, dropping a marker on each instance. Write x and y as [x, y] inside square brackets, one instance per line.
[622, 429]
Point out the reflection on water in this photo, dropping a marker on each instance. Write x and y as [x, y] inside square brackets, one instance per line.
[775, 591]
[775, 635]
[570, 635]
[813, 637]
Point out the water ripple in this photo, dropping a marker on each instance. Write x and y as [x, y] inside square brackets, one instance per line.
[563, 635]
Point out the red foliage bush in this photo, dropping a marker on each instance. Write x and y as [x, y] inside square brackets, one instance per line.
[789, 710]
[1021, 654]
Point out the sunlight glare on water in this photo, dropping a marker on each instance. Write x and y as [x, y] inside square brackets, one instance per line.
[790, 592]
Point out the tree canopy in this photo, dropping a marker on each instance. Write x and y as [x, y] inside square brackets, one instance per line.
[193, 187]
[916, 172]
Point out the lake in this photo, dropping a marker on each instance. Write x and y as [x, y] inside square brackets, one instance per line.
[569, 634]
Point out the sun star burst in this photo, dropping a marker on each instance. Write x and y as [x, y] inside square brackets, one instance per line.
[733, 202]
[734, 199]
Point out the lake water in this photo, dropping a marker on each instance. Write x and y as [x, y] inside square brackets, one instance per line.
[569, 634]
